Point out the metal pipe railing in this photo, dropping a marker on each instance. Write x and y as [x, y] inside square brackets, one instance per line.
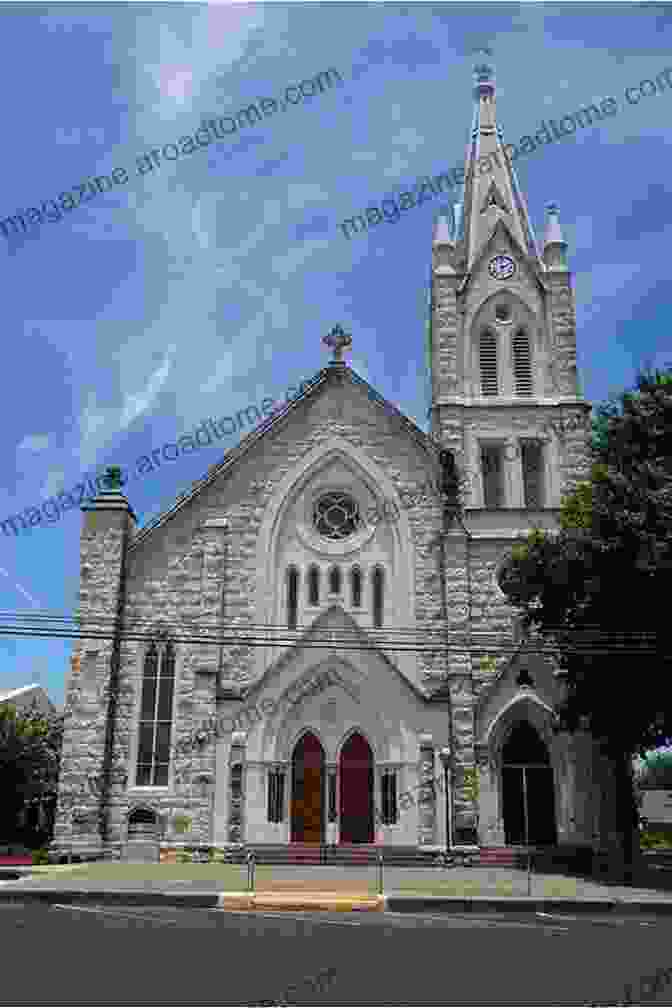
[250, 872]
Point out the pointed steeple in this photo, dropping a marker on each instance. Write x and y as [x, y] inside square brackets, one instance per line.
[491, 189]
[555, 246]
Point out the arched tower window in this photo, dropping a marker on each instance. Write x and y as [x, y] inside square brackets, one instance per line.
[522, 364]
[356, 587]
[377, 588]
[488, 363]
[335, 580]
[292, 597]
[314, 586]
[156, 716]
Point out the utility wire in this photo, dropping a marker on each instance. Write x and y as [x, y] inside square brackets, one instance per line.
[102, 617]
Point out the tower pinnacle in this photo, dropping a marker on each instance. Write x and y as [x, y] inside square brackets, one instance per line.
[491, 190]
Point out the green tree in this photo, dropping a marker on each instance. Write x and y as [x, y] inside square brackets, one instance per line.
[599, 588]
[30, 746]
[655, 770]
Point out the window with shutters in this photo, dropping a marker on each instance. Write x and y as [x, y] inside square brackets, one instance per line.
[522, 364]
[276, 782]
[532, 459]
[492, 471]
[377, 588]
[332, 796]
[488, 364]
[389, 797]
[292, 597]
[314, 586]
[356, 587]
[156, 716]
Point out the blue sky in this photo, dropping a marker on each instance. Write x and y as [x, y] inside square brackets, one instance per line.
[208, 284]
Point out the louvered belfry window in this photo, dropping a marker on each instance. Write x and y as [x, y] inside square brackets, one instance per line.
[488, 364]
[156, 716]
[532, 463]
[522, 364]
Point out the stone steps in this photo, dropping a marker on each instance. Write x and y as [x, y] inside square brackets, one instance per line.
[342, 854]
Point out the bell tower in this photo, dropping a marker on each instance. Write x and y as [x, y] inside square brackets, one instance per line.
[505, 397]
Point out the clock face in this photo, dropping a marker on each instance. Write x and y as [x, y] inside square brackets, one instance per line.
[501, 267]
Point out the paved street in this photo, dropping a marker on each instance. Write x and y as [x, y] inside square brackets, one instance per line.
[114, 955]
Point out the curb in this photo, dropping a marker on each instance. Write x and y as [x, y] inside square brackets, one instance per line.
[136, 897]
[331, 901]
[524, 904]
[299, 901]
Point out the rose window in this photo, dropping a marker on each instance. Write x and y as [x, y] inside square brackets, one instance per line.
[336, 516]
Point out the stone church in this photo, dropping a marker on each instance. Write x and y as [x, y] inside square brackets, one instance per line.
[312, 647]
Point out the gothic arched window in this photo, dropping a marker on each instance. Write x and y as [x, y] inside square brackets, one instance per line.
[522, 364]
[488, 363]
[335, 580]
[377, 591]
[314, 586]
[292, 597]
[356, 587]
[156, 716]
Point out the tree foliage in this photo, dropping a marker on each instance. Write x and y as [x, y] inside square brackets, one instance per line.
[30, 746]
[600, 587]
[655, 769]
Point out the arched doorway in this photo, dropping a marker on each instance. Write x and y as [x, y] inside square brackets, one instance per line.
[307, 819]
[356, 791]
[527, 785]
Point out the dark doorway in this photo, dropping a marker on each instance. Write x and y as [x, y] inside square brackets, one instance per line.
[142, 824]
[356, 791]
[527, 774]
[307, 821]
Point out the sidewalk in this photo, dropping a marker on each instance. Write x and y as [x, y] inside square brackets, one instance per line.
[456, 890]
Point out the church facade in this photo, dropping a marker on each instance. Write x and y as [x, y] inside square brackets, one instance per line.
[312, 646]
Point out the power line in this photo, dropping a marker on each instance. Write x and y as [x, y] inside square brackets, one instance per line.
[156, 624]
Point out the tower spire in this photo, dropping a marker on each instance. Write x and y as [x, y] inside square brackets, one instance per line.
[555, 246]
[491, 189]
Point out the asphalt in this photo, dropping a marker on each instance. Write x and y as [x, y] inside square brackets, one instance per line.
[351, 889]
[147, 955]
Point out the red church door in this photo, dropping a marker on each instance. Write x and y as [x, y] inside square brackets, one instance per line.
[356, 791]
[307, 791]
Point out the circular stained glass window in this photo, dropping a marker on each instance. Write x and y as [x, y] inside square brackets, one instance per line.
[336, 515]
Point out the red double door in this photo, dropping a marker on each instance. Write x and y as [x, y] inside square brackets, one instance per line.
[309, 791]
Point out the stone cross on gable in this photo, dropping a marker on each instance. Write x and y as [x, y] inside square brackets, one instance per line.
[338, 341]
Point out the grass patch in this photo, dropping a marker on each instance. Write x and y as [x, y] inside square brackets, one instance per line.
[116, 870]
[503, 887]
[456, 887]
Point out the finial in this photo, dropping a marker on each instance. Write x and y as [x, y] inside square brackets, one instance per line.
[338, 341]
[113, 478]
[553, 229]
[484, 73]
[442, 230]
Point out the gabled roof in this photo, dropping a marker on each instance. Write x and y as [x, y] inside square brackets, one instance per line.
[361, 639]
[22, 695]
[334, 373]
[530, 261]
